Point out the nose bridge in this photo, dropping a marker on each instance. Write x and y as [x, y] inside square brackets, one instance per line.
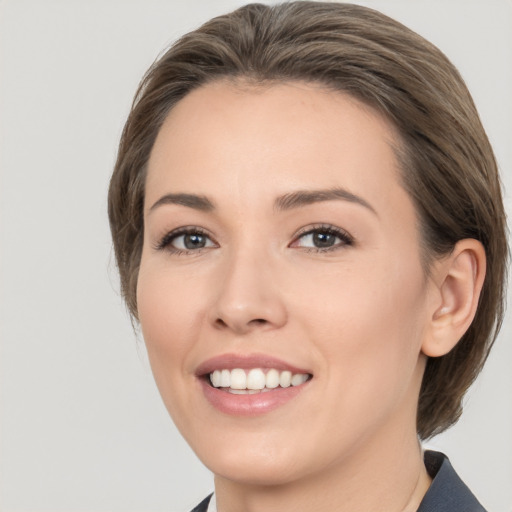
[248, 297]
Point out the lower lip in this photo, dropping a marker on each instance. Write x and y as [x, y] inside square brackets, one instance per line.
[249, 405]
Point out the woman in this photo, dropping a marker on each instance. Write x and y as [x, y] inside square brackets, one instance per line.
[308, 224]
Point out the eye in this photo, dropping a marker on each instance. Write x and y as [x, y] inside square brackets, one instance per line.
[186, 240]
[323, 238]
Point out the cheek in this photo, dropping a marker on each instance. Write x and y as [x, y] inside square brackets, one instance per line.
[168, 313]
[169, 308]
[368, 324]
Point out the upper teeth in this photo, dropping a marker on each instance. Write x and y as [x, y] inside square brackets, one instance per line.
[256, 379]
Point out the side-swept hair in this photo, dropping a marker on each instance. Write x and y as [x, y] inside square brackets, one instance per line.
[447, 164]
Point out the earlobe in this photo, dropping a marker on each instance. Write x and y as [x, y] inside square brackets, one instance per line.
[458, 280]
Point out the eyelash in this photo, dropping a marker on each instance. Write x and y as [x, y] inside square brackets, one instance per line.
[344, 236]
[166, 242]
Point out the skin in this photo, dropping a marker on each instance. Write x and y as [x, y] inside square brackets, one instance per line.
[358, 317]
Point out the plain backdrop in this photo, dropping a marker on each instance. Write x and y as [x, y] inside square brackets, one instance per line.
[82, 425]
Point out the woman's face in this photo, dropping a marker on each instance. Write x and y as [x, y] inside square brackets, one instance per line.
[278, 237]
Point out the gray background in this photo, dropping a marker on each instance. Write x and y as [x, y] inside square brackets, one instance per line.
[82, 426]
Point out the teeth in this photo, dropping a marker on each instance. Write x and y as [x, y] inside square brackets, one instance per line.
[285, 379]
[225, 378]
[272, 379]
[240, 381]
[215, 378]
[243, 391]
[256, 379]
[298, 379]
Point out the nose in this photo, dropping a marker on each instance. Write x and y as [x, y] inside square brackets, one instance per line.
[249, 298]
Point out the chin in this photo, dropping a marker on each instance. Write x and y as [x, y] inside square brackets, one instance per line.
[261, 459]
[260, 472]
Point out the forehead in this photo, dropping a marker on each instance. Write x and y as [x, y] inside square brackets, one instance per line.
[266, 140]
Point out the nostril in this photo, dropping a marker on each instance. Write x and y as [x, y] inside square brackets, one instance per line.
[223, 324]
[220, 323]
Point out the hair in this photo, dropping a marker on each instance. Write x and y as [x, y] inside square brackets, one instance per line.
[446, 161]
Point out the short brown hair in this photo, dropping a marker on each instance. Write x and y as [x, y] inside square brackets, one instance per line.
[448, 166]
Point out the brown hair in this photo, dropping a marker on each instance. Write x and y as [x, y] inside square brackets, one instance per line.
[447, 163]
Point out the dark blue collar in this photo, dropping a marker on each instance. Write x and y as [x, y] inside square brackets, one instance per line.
[203, 506]
[447, 493]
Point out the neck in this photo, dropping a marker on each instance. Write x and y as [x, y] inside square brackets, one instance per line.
[383, 476]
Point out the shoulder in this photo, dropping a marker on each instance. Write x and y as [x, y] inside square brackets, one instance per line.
[447, 493]
[203, 506]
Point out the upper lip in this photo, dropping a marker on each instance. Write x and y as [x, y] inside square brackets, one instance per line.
[245, 362]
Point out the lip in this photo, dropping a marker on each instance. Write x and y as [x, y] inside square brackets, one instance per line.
[245, 362]
[253, 404]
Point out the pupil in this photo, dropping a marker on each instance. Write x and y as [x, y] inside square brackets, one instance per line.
[194, 241]
[323, 239]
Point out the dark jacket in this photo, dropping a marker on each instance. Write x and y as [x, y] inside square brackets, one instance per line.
[447, 493]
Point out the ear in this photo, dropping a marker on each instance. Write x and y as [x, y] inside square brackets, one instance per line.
[457, 282]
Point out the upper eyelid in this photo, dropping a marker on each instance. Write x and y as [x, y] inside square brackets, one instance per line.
[325, 227]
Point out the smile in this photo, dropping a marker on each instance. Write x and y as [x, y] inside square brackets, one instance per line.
[255, 380]
[250, 385]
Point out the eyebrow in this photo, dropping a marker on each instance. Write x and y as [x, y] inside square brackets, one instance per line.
[306, 197]
[194, 201]
[285, 202]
